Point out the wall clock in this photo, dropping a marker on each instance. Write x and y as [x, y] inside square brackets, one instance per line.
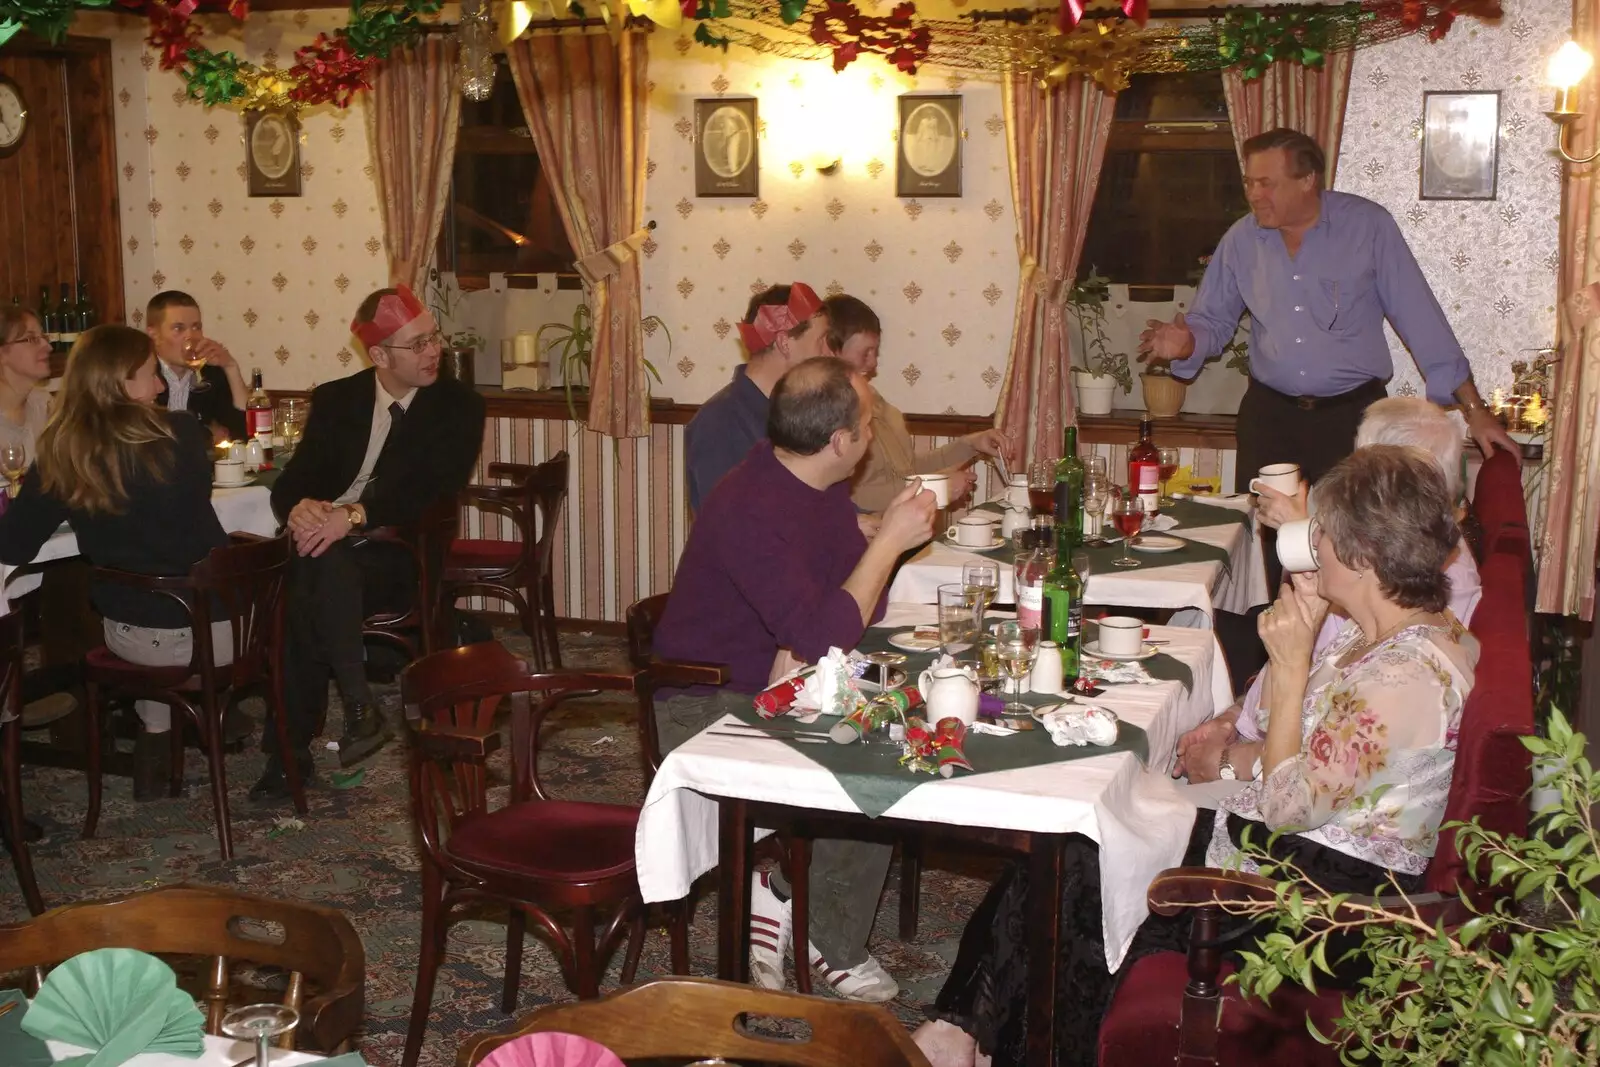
[13, 116]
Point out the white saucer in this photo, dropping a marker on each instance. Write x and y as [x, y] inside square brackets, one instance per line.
[1092, 648]
[910, 642]
[1156, 543]
[244, 484]
[996, 543]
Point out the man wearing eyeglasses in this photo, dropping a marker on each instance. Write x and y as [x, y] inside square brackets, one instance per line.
[379, 447]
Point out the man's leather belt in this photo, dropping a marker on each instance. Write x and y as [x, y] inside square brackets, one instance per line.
[1360, 394]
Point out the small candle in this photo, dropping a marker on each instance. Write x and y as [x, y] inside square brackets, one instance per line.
[527, 351]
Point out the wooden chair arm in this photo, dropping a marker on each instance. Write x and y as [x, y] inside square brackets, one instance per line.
[454, 744]
[681, 673]
[245, 537]
[152, 582]
[516, 472]
[1192, 887]
[505, 495]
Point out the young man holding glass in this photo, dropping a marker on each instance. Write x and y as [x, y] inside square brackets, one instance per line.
[198, 374]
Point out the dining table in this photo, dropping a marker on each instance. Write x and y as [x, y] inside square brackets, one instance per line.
[219, 1052]
[714, 794]
[1232, 576]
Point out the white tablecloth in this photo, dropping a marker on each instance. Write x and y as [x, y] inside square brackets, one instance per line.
[1204, 587]
[1137, 816]
[220, 1052]
[247, 510]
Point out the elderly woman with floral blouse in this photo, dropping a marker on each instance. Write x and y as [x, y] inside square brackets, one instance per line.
[1359, 747]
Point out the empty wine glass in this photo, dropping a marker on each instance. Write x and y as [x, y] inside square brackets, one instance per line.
[13, 464]
[1169, 466]
[260, 1023]
[1095, 490]
[1017, 646]
[1095, 466]
[981, 580]
[1128, 514]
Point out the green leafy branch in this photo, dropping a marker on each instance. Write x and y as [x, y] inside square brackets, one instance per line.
[573, 348]
[1086, 303]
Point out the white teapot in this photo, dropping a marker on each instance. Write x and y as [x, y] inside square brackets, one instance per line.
[950, 691]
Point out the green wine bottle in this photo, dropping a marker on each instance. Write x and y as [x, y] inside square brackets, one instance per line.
[1063, 597]
[1069, 488]
[47, 316]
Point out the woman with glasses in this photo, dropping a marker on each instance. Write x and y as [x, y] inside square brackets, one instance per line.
[24, 367]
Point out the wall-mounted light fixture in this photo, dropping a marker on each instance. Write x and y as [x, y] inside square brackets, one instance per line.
[1567, 68]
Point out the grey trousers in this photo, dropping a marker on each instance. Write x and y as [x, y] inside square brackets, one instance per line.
[846, 876]
[149, 646]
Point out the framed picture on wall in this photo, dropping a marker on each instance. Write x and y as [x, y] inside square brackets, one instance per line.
[272, 153]
[928, 162]
[727, 156]
[1460, 145]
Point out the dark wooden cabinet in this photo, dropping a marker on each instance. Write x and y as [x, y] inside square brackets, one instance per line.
[59, 216]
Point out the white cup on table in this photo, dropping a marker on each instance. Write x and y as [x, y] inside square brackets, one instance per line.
[1121, 635]
[229, 472]
[1284, 477]
[974, 531]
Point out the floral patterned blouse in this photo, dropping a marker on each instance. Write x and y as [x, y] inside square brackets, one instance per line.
[1378, 745]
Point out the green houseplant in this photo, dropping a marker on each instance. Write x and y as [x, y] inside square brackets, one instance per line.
[447, 302]
[571, 348]
[1517, 985]
[1102, 369]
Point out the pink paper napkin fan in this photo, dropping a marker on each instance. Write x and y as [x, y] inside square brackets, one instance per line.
[552, 1050]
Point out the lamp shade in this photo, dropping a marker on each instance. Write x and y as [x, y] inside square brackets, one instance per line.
[1568, 66]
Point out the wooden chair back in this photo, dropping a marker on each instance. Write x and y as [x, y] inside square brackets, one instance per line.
[427, 541]
[685, 1019]
[651, 674]
[11, 637]
[317, 946]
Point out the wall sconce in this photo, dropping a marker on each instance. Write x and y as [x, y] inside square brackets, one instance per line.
[1567, 68]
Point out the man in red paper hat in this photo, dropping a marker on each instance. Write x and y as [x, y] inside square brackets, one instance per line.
[783, 326]
[379, 447]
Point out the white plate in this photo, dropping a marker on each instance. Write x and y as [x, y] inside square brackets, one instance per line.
[1156, 543]
[247, 483]
[910, 642]
[996, 543]
[1092, 648]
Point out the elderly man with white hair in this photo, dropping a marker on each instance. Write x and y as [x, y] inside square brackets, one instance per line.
[1229, 745]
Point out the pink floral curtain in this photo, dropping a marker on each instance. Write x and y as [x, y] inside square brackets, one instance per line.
[1308, 99]
[1056, 142]
[413, 115]
[1567, 534]
[585, 98]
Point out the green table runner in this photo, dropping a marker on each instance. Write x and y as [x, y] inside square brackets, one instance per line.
[1188, 513]
[17, 1047]
[1160, 666]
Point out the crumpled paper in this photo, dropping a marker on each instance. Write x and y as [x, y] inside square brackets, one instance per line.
[1080, 724]
[831, 688]
[1117, 672]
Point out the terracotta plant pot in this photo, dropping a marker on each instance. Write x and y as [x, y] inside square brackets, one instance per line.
[1163, 395]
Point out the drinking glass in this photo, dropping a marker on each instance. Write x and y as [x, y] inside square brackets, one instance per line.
[260, 1023]
[1128, 514]
[1042, 487]
[1169, 467]
[955, 619]
[1018, 646]
[1095, 491]
[1094, 467]
[981, 580]
[13, 463]
[195, 360]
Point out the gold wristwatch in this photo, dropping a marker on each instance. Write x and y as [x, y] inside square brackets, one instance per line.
[356, 514]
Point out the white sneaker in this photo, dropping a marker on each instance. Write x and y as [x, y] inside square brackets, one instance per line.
[771, 921]
[867, 981]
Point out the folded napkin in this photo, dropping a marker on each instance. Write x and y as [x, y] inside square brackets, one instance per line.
[349, 1059]
[1080, 724]
[118, 1002]
[19, 1048]
[551, 1050]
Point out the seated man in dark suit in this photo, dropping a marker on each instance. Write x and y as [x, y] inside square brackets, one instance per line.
[379, 447]
[217, 394]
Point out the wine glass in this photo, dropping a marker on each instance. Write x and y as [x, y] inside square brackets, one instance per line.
[260, 1023]
[955, 619]
[1169, 466]
[981, 580]
[1095, 491]
[1042, 487]
[1128, 514]
[1095, 466]
[1018, 646]
[13, 464]
[194, 358]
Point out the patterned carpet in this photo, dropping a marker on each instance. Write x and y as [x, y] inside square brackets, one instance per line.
[355, 852]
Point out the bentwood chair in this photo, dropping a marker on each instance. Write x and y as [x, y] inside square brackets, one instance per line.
[242, 582]
[538, 855]
[415, 630]
[318, 947]
[11, 636]
[701, 1019]
[652, 673]
[519, 571]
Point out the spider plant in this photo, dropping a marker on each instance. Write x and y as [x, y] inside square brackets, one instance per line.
[572, 346]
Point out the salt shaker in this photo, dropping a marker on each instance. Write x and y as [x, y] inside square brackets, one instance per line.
[253, 456]
[1047, 671]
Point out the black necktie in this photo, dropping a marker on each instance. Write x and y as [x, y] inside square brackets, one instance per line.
[396, 413]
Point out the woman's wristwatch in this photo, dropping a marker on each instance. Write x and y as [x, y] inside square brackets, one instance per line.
[1225, 769]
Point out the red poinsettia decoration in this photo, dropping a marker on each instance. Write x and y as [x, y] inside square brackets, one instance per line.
[172, 33]
[328, 71]
[1072, 13]
[843, 27]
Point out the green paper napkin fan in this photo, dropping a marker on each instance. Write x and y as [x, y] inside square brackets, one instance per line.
[118, 1002]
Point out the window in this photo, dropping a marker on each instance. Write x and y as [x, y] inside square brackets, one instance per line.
[1170, 187]
[502, 215]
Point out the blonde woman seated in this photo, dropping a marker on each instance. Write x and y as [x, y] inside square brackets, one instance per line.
[24, 367]
[853, 336]
[1356, 763]
[134, 483]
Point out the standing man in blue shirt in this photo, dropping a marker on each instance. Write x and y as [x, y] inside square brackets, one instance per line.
[1319, 271]
[783, 327]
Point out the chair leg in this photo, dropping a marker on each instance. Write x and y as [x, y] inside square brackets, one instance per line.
[800, 908]
[585, 971]
[210, 724]
[630, 961]
[516, 931]
[434, 927]
[910, 885]
[11, 789]
[92, 742]
[541, 598]
[175, 760]
[679, 912]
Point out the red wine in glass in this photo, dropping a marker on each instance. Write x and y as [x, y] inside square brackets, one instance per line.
[1042, 501]
[1128, 523]
[1167, 471]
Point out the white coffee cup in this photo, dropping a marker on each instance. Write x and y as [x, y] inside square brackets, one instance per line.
[976, 531]
[1121, 635]
[1296, 549]
[229, 472]
[937, 484]
[1284, 477]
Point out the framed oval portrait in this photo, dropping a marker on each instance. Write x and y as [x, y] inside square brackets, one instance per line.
[272, 152]
[727, 147]
[929, 160]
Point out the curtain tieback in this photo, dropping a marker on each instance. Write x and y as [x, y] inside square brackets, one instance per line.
[610, 260]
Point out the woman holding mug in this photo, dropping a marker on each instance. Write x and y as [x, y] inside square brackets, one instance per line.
[134, 483]
[1356, 764]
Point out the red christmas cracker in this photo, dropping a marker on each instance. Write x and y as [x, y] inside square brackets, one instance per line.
[949, 739]
[774, 701]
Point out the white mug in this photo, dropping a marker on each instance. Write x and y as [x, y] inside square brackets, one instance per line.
[1121, 635]
[1296, 549]
[937, 484]
[1284, 477]
[1048, 670]
[230, 472]
[975, 531]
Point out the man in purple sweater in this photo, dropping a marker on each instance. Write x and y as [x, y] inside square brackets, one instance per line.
[775, 573]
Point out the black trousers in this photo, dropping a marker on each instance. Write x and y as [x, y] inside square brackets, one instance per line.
[329, 596]
[1275, 428]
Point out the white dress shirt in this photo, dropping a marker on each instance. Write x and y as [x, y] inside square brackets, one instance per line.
[380, 433]
[178, 385]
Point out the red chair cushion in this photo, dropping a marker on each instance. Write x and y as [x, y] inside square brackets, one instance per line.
[109, 669]
[548, 840]
[479, 554]
[1142, 1026]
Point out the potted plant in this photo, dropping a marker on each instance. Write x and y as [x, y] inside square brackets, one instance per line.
[572, 347]
[1514, 984]
[447, 301]
[1102, 370]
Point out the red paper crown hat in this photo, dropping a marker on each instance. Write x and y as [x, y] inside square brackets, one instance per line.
[394, 311]
[773, 319]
